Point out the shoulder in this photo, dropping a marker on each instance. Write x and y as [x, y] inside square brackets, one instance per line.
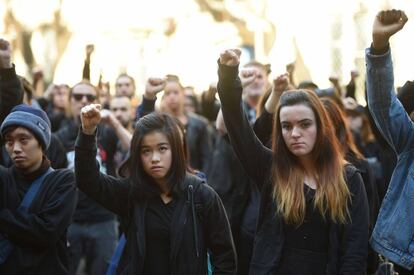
[202, 191]
[353, 178]
[197, 120]
[61, 177]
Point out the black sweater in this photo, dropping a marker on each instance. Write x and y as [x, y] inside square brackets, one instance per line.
[39, 236]
[211, 228]
[348, 244]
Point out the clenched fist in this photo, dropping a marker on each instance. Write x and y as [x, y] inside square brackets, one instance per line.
[90, 118]
[230, 57]
[5, 54]
[154, 86]
[386, 24]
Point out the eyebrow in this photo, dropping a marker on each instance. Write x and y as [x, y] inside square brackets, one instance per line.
[302, 120]
[159, 144]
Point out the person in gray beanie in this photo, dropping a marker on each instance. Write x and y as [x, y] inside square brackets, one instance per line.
[33, 119]
[36, 202]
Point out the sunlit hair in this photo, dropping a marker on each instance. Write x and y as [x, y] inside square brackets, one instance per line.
[143, 185]
[176, 79]
[342, 131]
[332, 193]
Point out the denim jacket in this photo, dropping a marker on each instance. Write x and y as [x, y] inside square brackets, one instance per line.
[393, 235]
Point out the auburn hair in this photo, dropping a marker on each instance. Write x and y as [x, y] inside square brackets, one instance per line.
[332, 193]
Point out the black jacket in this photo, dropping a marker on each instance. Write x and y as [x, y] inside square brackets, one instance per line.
[348, 244]
[40, 235]
[199, 222]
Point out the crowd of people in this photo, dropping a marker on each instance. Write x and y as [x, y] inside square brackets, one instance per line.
[252, 176]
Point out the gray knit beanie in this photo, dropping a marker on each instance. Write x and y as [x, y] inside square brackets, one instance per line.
[33, 119]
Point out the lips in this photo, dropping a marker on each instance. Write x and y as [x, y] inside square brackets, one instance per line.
[18, 159]
[156, 168]
[297, 144]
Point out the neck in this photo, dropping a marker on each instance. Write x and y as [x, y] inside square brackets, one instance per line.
[252, 101]
[163, 185]
[307, 164]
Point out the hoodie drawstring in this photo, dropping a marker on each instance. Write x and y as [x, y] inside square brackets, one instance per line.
[191, 197]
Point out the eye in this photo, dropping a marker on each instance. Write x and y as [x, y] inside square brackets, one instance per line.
[306, 124]
[145, 151]
[163, 148]
[286, 127]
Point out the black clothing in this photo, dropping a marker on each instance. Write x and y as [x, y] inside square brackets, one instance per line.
[348, 243]
[240, 197]
[312, 234]
[199, 221]
[87, 210]
[263, 127]
[11, 94]
[11, 91]
[39, 236]
[157, 235]
[56, 118]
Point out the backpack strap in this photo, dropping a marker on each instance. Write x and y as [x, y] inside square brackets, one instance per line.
[31, 193]
[113, 265]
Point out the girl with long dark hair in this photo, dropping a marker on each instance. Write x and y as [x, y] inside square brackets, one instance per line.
[171, 219]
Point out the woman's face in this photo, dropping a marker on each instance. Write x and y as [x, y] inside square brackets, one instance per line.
[156, 156]
[299, 129]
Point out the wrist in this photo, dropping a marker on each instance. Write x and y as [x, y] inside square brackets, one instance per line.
[379, 42]
[89, 131]
[150, 96]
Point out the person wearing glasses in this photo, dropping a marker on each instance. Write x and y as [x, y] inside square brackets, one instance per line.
[93, 233]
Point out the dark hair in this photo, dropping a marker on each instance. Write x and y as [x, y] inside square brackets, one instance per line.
[343, 133]
[142, 184]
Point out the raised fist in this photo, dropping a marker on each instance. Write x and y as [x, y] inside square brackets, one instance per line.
[153, 86]
[247, 76]
[5, 54]
[89, 49]
[230, 57]
[281, 83]
[386, 24]
[90, 118]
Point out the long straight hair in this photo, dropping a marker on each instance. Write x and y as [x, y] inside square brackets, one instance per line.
[143, 185]
[332, 193]
[342, 131]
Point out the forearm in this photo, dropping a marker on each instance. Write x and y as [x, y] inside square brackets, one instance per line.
[254, 157]
[387, 112]
[272, 101]
[111, 192]
[123, 135]
[11, 91]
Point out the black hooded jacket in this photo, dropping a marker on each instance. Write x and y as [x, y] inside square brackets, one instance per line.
[199, 222]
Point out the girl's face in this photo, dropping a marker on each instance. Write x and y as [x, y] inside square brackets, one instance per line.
[299, 129]
[156, 156]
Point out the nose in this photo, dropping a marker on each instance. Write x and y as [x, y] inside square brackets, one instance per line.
[16, 147]
[155, 157]
[84, 100]
[296, 132]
